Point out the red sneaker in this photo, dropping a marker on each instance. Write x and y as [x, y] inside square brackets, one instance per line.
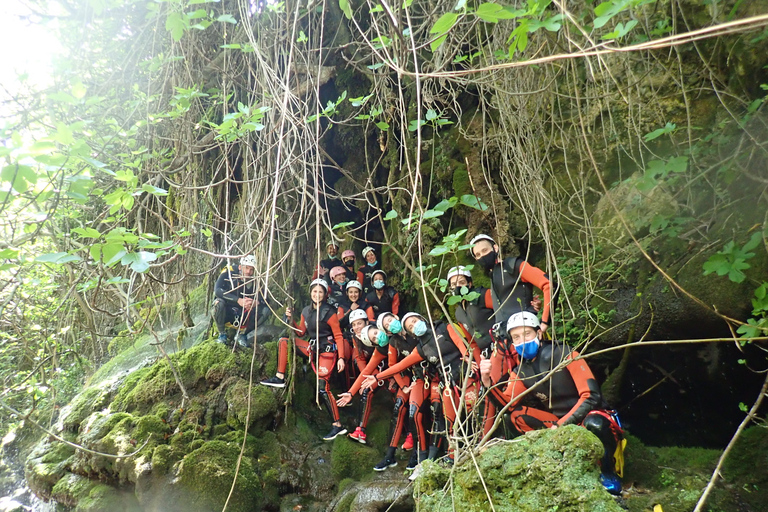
[408, 444]
[358, 435]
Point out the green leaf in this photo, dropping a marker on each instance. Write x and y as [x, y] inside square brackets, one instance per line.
[445, 204]
[57, 258]
[440, 250]
[441, 27]
[112, 253]
[176, 24]
[677, 164]
[87, 232]
[342, 225]
[655, 134]
[227, 18]
[382, 125]
[346, 8]
[753, 242]
[392, 214]
[139, 261]
[431, 214]
[473, 202]
[157, 191]
[21, 177]
[454, 299]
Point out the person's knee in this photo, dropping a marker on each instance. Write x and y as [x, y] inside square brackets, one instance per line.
[597, 424]
[413, 410]
[399, 403]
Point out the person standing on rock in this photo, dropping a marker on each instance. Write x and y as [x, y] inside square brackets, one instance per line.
[383, 298]
[324, 347]
[512, 281]
[372, 264]
[542, 398]
[236, 303]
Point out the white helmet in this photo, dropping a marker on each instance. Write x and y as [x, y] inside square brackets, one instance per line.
[367, 250]
[478, 238]
[248, 261]
[409, 315]
[380, 320]
[331, 243]
[355, 284]
[358, 314]
[379, 272]
[321, 282]
[459, 271]
[523, 319]
[364, 336]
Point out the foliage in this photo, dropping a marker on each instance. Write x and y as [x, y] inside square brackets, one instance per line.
[732, 260]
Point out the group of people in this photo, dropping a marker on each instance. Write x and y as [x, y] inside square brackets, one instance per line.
[495, 358]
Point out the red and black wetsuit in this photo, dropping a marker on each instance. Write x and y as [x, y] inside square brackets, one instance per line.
[352, 274]
[478, 318]
[564, 398]
[336, 293]
[366, 271]
[512, 282]
[344, 308]
[389, 302]
[323, 345]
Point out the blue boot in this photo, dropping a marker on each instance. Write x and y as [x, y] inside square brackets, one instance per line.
[222, 339]
[611, 482]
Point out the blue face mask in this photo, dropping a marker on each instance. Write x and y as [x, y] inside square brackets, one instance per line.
[420, 329]
[378, 285]
[395, 326]
[382, 339]
[529, 349]
[373, 264]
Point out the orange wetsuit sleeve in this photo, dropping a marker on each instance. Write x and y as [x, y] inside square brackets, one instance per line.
[392, 356]
[376, 358]
[396, 303]
[357, 357]
[408, 361]
[360, 277]
[302, 327]
[514, 389]
[333, 323]
[589, 391]
[369, 312]
[340, 312]
[533, 275]
[488, 299]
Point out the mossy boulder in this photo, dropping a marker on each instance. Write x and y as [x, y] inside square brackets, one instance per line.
[350, 459]
[206, 476]
[46, 465]
[543, 470]
[263, 405]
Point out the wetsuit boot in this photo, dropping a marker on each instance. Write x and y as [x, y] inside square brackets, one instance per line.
[601, 427]
[388, 461]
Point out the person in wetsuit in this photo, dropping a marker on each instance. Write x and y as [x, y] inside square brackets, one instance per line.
[512, 281]
[569, 395]
[383, 298]
[237, 303]
[348, 259]
[329, 263]
[336, 290]
[324, 347]
[372, 264]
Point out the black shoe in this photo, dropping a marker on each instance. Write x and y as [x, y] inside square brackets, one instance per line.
[274, 382]
[335, 431]
[414, 460]
[385, 464]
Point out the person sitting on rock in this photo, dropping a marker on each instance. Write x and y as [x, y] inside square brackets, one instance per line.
[374, 336]
[383, 298]
[348, 259]
[236, 303]
[325, 344]
[540, 398]
[512, 281]
[331, 262]
[336, 291]
[372, 264]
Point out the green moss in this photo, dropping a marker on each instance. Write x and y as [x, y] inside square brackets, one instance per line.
[543, 470]
[104, 497]
[91, 399]
[345, 503]
[150, 425]
[745, 466]
[46, 465]
[461, 183]
[351, 460]
[207, 475]
[162, 458]
[263, 405]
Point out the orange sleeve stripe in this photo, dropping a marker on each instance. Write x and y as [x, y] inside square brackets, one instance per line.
[533, 275]
[408, 361]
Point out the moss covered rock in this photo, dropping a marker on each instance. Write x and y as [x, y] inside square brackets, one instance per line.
[350, 459]
[543, 470]
[263, 405]
[46, 465]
